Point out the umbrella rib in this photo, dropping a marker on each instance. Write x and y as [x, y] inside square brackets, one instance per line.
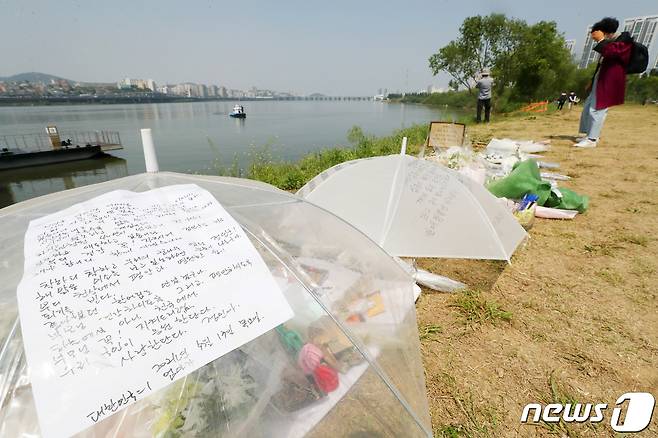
[323, 176]
[388, 219]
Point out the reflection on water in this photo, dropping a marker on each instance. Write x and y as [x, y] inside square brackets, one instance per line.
[240, 124]
[20, 184]
[196, 137]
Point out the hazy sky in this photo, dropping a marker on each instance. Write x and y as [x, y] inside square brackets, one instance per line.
[334, 47]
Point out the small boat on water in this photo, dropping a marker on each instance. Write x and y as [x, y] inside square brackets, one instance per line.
[238, 112]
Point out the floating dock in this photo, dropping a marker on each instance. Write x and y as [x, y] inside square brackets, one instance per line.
[55, 147]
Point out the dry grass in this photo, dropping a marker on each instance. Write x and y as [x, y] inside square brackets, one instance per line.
[575, 316]
[476, 310]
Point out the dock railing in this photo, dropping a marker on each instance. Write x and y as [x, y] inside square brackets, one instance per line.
[41, 142]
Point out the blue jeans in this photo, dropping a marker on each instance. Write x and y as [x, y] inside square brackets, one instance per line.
[591, 119]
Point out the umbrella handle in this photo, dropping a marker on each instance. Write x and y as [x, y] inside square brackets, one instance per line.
[150, 157]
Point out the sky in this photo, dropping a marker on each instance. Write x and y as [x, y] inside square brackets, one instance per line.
[333, 47]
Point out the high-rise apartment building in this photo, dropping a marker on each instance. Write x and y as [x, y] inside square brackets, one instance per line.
[642, 29]
[589, 56]
[570, 45]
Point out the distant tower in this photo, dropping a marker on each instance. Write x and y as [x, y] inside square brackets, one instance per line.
[570, 45]
[589, 56]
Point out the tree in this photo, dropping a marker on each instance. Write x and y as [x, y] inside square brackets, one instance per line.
[528, 62]
[542, 66]
[454, 60]
[642, 88]
[482, 42]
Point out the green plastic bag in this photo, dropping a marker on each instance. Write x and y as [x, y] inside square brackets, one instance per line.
[525, 178]
[570, 200]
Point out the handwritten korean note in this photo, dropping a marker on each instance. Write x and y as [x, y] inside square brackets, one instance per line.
[433, 191]
[127, 292]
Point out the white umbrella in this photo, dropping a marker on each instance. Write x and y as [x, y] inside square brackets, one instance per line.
[415, 208]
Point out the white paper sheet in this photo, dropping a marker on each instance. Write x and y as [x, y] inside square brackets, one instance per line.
[125, 293]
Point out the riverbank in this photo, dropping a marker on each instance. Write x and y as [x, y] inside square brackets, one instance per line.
[462, 100]
[639, 89]
[574, 317]
[292, 175]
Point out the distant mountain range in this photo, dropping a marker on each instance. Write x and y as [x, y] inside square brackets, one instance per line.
[32, 77]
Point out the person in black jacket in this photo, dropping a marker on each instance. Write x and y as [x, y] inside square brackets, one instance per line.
[561, 100]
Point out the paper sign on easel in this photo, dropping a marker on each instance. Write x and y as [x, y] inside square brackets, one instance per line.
[128, 292]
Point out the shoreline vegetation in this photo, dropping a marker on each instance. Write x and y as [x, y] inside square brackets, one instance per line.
[292, 175]
[639, 89]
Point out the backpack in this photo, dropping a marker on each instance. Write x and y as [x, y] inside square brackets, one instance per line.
[639, 59]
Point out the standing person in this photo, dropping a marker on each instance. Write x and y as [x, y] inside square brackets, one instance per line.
[484, 96]
[609, 82]
[573, 99]
[561, 100]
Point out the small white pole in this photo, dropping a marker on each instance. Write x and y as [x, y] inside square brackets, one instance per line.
[404, 146]
[150, 158]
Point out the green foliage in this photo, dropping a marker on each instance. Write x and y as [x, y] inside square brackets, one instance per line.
[455, 99]
[505, 102]
[290, 176]
[228, 170]
[542, 66]
[528, 62]
[429, 332]
[580, 81]
[642, 89]
[476, 310]
[451, 431]
[481, 43]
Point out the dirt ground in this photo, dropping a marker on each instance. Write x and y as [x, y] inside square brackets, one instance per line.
[574, 317]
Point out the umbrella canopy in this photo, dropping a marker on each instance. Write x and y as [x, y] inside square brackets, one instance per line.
[415, 208]
[354, 329]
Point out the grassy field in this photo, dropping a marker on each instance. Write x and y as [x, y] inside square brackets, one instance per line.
[574, 317]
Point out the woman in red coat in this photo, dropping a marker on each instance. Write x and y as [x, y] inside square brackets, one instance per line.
[609, 83]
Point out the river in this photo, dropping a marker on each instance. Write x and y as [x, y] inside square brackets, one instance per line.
[195, 137]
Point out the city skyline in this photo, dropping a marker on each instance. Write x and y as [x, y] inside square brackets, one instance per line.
[337, 49]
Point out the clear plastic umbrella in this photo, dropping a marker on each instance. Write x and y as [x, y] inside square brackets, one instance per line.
[353, 331]
[416, 208]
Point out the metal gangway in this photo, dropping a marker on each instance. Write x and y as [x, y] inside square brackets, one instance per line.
[36, 142]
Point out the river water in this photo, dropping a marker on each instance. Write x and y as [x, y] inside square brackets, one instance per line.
[195, 137]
